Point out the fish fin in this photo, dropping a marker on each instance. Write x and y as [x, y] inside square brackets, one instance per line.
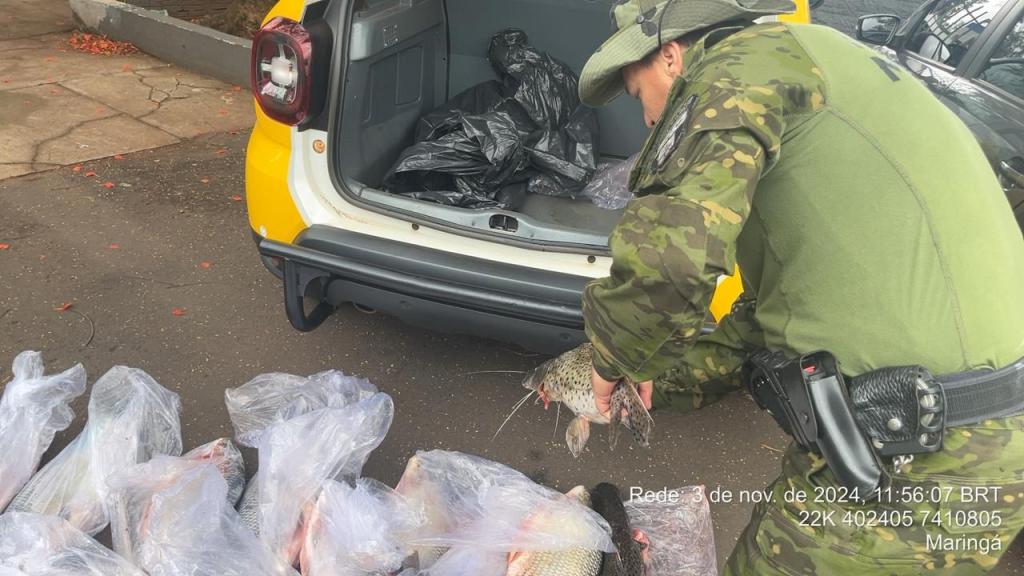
[577, 434]
[638, 419]
[615, 408]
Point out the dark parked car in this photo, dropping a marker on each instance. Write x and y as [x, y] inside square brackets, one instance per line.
[970, 53]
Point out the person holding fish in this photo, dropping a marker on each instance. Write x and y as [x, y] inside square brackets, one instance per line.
[869, 226]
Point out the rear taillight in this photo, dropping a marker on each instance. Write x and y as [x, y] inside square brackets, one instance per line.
[282, 70]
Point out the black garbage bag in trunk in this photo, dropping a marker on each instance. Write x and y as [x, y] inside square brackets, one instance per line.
[527, 129]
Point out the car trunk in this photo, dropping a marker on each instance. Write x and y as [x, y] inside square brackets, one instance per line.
[407, 57]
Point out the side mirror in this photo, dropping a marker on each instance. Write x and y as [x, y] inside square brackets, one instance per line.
[878, 29]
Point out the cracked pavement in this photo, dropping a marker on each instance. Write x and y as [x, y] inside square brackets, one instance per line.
[60, 107]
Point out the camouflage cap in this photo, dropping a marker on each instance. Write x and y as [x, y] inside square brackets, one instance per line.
[639, 25]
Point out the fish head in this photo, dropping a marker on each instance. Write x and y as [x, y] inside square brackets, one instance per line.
[545, 384]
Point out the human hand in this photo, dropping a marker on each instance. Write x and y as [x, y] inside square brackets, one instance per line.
[603, 392]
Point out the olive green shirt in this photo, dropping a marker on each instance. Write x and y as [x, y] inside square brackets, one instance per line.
[862, 212]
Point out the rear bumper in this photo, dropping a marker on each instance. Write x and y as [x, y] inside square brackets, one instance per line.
[538, 309]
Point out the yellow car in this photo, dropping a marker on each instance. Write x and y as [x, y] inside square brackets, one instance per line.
[339, 88]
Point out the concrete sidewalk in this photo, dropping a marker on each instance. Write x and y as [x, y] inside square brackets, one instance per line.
[59, 106]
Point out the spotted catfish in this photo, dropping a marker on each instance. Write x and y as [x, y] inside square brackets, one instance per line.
[566, 379]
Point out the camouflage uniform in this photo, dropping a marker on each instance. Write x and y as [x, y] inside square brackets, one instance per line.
[864, 237]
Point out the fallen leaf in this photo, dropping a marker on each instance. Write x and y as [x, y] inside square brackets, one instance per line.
[76, 168]
[236, 198]
[4, 246]
[64, 307]
[178, 311]
[95, 44]
[114, 246]
[90, 174]
[221, 152]
[127, 68]
[50, 58]
[236, 88]
[108, 185]
[118, 157]
[222, 112]
[205, 265]
[100, 110]
[204, 180]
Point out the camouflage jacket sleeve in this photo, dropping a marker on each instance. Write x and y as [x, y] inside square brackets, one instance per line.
[695, 181]
[668, 251]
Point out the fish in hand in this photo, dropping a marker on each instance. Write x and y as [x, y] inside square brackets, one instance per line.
[566, 379]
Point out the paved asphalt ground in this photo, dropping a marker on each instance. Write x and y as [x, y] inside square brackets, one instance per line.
[169, 235]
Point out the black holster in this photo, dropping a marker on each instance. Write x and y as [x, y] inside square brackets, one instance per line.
[809, 399]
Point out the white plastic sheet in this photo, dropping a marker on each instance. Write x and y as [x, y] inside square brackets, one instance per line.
[184, 523]
[131, 418]
[36, 545]
[357, 531]
[276, 397]
[135, 491]
[297, 456]
[33, 408]
[682, 540]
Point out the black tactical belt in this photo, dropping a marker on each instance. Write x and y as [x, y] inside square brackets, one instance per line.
[895, 412]
[982, 395]
[904, 410]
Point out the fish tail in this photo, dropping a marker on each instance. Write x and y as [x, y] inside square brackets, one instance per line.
[626, 398]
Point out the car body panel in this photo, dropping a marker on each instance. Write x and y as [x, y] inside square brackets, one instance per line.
[290, 189]
[995, 117]
[999, 125]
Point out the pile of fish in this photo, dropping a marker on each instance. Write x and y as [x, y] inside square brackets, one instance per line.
[307, 510]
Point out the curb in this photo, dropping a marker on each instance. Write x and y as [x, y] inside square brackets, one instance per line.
[188, 45]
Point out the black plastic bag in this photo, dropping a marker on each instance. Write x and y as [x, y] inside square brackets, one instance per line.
[528, 127]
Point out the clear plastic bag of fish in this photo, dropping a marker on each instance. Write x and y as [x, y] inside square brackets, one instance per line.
[357, 531]
[448, 487]
[299, 455]
[681, 541]
[609, 188]
[131, 418]
[275, 397]
[33, 408]
[135, 492]
[531, 517]
[471, 502]
[182, 523]
[37, 545]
